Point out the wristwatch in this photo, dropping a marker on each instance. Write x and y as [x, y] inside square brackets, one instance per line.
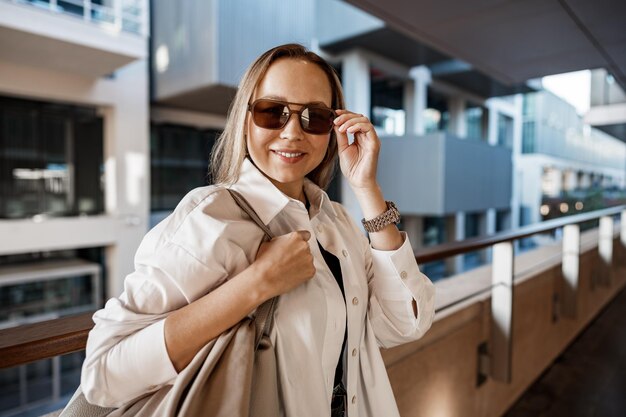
[392, 215]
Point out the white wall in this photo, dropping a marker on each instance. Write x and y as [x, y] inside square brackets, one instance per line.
[123, 103]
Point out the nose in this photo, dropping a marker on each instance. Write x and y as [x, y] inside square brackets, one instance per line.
[292, 130]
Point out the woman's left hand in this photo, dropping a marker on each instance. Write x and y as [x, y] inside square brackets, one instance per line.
[359, 160]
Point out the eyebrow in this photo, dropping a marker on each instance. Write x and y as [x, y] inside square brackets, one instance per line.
[281, 98]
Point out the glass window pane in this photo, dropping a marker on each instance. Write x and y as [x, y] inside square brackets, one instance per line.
[51, 159]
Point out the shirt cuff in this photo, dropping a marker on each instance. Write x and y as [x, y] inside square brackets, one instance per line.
[396, 272]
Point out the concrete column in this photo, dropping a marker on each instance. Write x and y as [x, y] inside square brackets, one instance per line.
[356, 89]
[516, 186]
[529, 176]
[127, 171]
[492, 125]
[570, 180]
[458, 123]
[421, 79]
[408, 102]
[455, 230]
[414, 228]
[553, 181]
[356, 82]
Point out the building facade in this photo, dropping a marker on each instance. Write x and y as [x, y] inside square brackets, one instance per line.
[107, 118]
[566, 166]
[74, 178]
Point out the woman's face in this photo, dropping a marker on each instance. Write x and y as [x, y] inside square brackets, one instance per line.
[295, 81]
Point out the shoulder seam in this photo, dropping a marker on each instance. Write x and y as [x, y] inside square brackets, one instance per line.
[215, 189]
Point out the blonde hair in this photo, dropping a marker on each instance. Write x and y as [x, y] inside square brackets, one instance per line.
[230, 148]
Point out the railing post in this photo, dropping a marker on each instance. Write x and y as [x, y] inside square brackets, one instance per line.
[622, 234]
[87, 10]
[570, 268]
[605, 248]
[117, 14]
[145, 23]
[501, 311]
[56, 378]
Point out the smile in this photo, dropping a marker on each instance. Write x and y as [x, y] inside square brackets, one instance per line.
[289, 155]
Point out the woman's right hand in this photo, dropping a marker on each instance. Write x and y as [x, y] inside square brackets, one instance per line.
[285, 262]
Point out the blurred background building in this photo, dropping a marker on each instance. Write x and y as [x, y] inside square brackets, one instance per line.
[109, 110]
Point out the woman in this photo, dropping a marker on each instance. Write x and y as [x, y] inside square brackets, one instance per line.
[204, 268]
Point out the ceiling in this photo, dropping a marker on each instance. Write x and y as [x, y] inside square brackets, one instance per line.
[515, 40]
[397, 46]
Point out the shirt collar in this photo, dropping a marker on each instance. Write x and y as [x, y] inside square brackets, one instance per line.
[319, 200]
[268, 201]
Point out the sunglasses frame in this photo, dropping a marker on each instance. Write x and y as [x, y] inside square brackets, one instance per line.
[292, 112]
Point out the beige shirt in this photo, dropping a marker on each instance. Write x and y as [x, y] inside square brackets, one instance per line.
[206, 241]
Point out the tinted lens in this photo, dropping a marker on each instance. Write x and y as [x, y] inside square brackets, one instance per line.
[317, 120]
[270, 114]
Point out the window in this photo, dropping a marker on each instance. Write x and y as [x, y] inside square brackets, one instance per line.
[436, 115]
[477, 123]
[387, 110]
[50, 159]
[505, 131]
[474, 222]
[434, 234]
[179, 162]
[528, 136]
[42, 286]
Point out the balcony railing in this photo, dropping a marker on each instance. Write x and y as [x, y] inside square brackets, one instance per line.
[117, 15]
[25, 344]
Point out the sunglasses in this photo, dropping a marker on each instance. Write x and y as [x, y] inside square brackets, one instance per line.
[274, 114]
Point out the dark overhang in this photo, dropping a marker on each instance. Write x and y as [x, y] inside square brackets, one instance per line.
[617, 130]
[514, 41]
[400, 48]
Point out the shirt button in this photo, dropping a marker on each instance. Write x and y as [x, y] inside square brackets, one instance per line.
[355, 301]
[320, 228]
[403, 274]
[353, 352]
[354, 399]
[345, 253]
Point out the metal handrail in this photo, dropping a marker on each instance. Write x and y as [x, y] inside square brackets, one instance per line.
[119, 15]
[47, 339]
[446, 250]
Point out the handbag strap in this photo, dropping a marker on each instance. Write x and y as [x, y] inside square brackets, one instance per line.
[265, 312]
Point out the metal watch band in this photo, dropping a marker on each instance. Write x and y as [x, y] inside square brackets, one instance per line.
[392, 215]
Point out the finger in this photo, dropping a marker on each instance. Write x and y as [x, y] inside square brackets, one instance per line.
[353, 121]
[304, 234]
[363, 127]
[342, 139]
[346, 116]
